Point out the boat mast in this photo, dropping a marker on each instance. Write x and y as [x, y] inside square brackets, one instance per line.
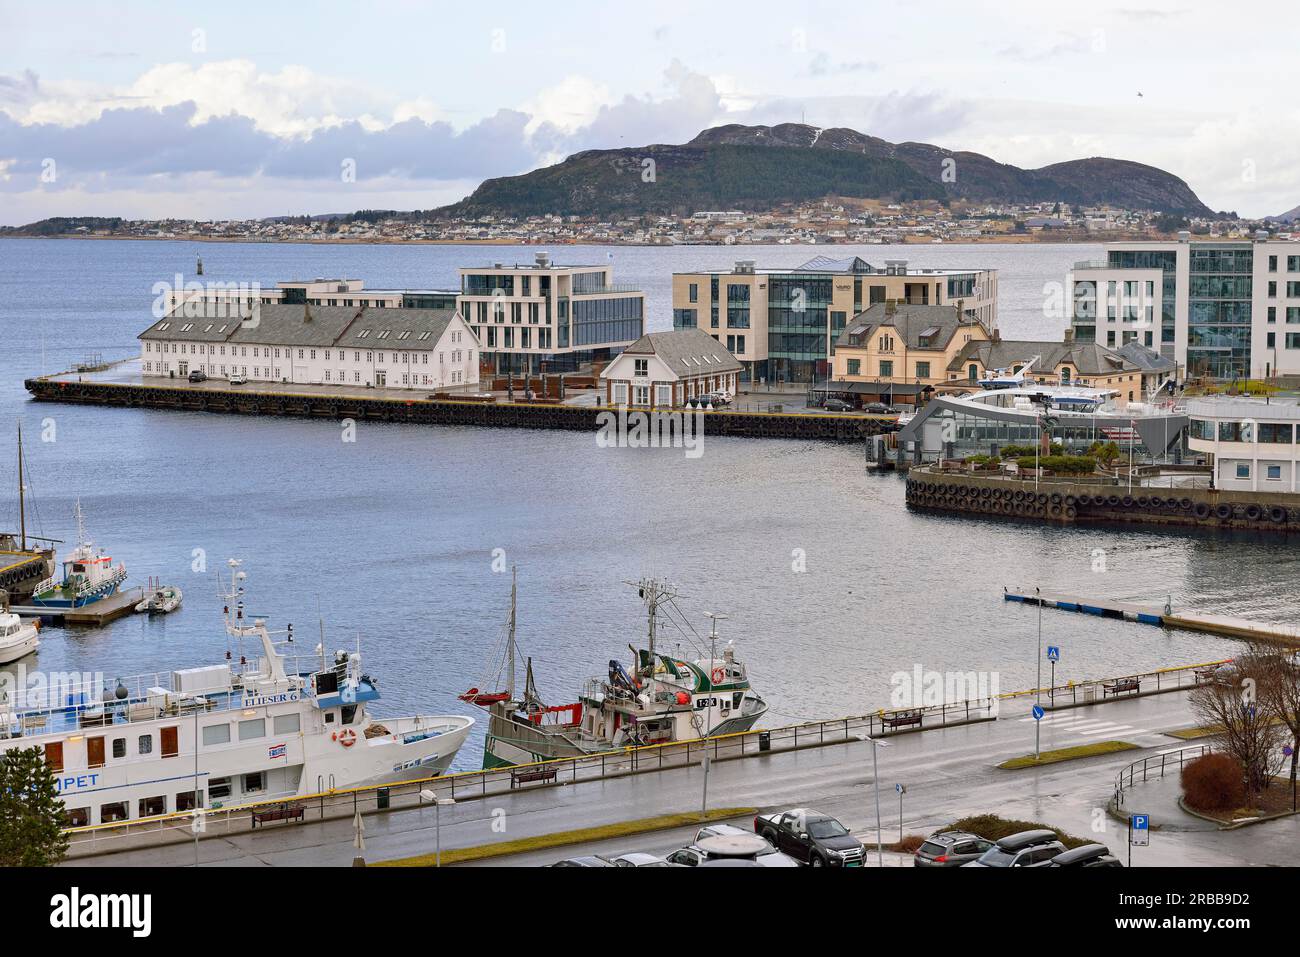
[510, 642]
[22, 504]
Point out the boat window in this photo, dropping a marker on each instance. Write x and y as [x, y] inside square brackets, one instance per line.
[216, 734]
[77, 816]
[170, 742]
[145, 744]
[252, 728]
[185, 801]
[119, 747]
[286, 723]
[94, 752]
[153, 806]
[219, 788]
[735, 699]
[54, 755]
[254, 782]
[349, 711]
[329, 717]
[117, 811]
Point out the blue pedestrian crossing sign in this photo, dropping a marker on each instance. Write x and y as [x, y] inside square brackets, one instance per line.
[1039, 712]
[1139, 830]
[1053, 653]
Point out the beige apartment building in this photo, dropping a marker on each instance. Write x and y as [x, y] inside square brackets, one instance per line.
[897, 352]
[782, 324]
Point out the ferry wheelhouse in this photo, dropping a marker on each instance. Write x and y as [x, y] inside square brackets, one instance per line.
[255, 727]
[659, 699]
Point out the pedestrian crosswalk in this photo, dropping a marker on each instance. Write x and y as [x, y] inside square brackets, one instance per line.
[1085, 726]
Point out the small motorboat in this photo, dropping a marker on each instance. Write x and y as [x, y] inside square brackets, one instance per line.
[164, 599]
[18, 638]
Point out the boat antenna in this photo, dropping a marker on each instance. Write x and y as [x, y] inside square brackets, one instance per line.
[510, 641]
[714, 617]
[320, 616]
[22, 504]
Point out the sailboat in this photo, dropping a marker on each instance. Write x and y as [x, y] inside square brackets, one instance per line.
[658, 699]
[23, 567]
[88, 575]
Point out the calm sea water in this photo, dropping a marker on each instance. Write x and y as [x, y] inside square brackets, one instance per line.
[392, 538]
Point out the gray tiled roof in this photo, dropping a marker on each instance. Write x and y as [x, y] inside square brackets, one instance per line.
[1088, 358]
[684, 351]
[939, 323]
[289, 325]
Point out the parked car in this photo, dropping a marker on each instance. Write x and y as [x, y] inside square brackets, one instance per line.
[198, 375]
[1022, 849]
[878, 408]
[589, 861]
[812, 837]
[638, 859]
[237, 379]
[734, 844]
[837, 405]
[950, 849]
[770, 857]
[1089, 855]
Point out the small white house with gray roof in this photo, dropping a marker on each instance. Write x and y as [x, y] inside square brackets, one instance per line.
[665, 369]
[314, 345]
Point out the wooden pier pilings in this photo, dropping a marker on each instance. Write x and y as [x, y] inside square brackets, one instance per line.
[247, 400]
[1066, 502]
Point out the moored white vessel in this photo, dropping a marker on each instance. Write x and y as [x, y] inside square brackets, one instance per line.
[88, 576]
[18, 638]
[253, 728]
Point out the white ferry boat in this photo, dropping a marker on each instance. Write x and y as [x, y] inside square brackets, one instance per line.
[659, 699]
[88, 576]
[254, 728]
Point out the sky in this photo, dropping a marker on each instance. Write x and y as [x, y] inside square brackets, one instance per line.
[239, 109]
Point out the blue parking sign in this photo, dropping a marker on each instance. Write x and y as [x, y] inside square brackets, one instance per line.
[1140, 830]
[1053, 653]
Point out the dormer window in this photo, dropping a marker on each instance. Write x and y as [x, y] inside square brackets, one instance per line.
[363, 334]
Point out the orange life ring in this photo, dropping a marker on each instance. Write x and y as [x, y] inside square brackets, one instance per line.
[347, 737]
[718, 676]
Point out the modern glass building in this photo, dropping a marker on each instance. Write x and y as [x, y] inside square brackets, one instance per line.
[1221, 309]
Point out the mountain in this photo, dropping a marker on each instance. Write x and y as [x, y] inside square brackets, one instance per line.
[759, 167]
[1290, 216]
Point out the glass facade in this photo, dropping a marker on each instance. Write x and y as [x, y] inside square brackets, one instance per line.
[797, 316]
[606, 320]
[1219, 311]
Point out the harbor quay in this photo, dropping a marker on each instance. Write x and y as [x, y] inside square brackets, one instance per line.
[949, 771]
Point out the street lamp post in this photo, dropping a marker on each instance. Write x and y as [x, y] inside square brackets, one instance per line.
[875, 777]
[438, 804]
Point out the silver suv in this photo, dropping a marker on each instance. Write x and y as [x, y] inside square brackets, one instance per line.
[1021, 850]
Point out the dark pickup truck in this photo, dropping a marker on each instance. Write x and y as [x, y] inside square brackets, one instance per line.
[811, 837]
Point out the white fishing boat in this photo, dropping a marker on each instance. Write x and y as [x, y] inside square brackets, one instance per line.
[88, 575]
[160, 600]
[259, 726]
[18, 638]
[659, 699]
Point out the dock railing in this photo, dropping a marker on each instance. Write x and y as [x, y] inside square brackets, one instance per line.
[1096, 690]
[493, 782]
[1155, 765]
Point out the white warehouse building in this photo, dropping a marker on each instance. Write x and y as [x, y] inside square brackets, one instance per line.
[390, 348]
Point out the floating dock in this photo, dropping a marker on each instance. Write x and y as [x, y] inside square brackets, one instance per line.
[1225, 626]
[95, 615]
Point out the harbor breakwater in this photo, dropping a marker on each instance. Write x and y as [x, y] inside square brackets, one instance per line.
[247, 400]
[1071, 502]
